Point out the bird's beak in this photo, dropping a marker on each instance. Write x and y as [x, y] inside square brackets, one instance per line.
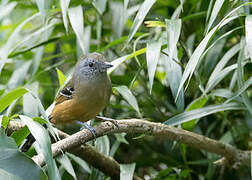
[106, 65]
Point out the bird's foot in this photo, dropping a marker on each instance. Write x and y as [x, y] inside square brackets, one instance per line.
[108, 119]
[86, 126]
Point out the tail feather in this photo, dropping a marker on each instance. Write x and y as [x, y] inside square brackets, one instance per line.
[25, 146]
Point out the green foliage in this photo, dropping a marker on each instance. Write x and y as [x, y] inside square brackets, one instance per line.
[11, 158]
[185, 63]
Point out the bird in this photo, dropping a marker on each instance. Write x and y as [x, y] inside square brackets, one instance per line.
[85, 95]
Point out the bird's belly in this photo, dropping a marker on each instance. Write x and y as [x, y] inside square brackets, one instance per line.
[91, 109]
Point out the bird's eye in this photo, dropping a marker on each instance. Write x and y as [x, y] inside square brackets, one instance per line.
[91, 64]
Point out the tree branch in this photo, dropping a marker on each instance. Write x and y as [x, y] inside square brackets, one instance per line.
[234, 156]
[105, 164]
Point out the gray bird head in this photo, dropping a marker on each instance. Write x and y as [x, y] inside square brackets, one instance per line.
[92, 66]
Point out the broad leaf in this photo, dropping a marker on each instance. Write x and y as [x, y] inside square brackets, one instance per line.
[8, 98]
[43, 140]
[16, 164]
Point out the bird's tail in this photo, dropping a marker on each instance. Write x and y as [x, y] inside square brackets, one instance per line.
[25, 146]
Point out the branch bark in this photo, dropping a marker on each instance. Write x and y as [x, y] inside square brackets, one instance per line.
[105, 164]
[230, 155]
[233, 156]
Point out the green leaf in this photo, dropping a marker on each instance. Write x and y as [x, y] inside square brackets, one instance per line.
[6, 9]
[36, 61]
[121, 138]
[116, 42]
[20, 135]
[225, 93]
[242, 89]
[211, 56]
[217, 6]
[142, 12]
[43, 5]
[66, 164]
[87, 38]
[240, 76]
[127, 171]
[15, 163]
[219, 67]
[154, 24]
[177, 11]
[64, 7]
[251, 163]
[76, 19]
[119, 18]
[8, 98]
[4, 121]
[79, 161]
[210, 6]
[114, 148]
[195, 58]
[100, 5]
[190, 43]
[61, 77]
[43, 140]
[128, 96]
[202, 112]
[19, 74]
[196, 104]
[172, 68]
[116, 63]
[120, 60]
[248, 36]
[152, 55]
[102, 145]
[6, 49]
[30, 103]
[44, 114]
[222, 74]
[36, 38]
[7, 176]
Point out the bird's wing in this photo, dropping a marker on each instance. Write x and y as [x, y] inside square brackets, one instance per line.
[65, 94]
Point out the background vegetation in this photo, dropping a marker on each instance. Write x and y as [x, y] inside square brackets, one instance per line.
[184, 63]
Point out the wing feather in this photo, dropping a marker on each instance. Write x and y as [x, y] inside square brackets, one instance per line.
[65, 94]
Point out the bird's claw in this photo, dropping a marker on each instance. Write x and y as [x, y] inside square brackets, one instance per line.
[108, 119]
[86, 126]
